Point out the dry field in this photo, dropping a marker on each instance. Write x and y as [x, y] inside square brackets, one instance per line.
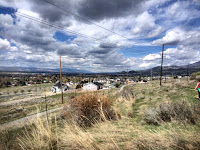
[28, 101]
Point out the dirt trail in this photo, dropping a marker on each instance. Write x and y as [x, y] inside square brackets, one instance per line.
[36, 97]
[26, 120]
[122, 87]
[24, 99]
[18, 101]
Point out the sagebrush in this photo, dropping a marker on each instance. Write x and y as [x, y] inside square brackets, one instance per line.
[169, 111]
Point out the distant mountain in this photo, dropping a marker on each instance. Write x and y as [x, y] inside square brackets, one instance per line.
[40, 70]
[167, 70]
[195, 65]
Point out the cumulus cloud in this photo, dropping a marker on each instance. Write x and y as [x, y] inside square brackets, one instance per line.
[152, 57]
[155, 32]
[5, 45]
[179, 36]
[172, 37]
[143, 23]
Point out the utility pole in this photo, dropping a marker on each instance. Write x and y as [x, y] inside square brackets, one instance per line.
[161, 66]
[61, 82]
[151, 76]
[36, 87]
[187, 73]
[172, 78]
[127, 75]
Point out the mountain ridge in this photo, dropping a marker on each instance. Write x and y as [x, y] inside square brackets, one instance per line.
[40, 70]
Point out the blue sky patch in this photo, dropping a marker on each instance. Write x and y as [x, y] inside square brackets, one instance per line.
[139, 51]
[7, 10]
[62, 37]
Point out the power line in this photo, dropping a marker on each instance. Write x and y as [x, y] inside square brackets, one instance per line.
[50, 24]
[54, 25]
[83, 18]
[62, 28]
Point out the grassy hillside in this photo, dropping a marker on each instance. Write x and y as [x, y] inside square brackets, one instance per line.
[150, 118]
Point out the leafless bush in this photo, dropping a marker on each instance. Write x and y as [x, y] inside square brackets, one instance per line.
[89, 108]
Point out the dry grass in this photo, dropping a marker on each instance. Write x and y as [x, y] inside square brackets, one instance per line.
[126, 94]
[43, 135]
[121, 134]
[168, 111]
[125, 133]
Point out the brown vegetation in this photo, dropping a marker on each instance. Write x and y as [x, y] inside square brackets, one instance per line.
[89, 108]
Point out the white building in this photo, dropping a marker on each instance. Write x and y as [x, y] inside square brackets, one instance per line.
[57, 88]
[92, 86]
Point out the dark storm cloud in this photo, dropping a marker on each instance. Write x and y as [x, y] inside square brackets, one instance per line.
[89, 9]
[50, 12]
[99, 51]
[101, 9]
[174, 43]
[107, 45]
[69, 50]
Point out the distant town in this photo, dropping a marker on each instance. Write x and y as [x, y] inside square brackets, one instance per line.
[78, 81]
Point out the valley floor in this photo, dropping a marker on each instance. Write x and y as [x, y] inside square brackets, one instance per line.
[152, 117]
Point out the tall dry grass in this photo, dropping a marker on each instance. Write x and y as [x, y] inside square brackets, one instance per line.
[121, 134]
[43, 135]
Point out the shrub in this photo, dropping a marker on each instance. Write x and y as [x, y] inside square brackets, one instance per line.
[79, 86]
[192, 77]
[179, 111]
[22, 91]
[15, 91]
[117, 85]
[89, 108]
[29, 90]
[197, 79]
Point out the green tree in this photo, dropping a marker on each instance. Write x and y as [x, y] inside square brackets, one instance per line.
[15, 91]
[117, 85]
[22, 91]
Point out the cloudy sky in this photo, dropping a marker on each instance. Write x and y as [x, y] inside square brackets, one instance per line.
[99, 35]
